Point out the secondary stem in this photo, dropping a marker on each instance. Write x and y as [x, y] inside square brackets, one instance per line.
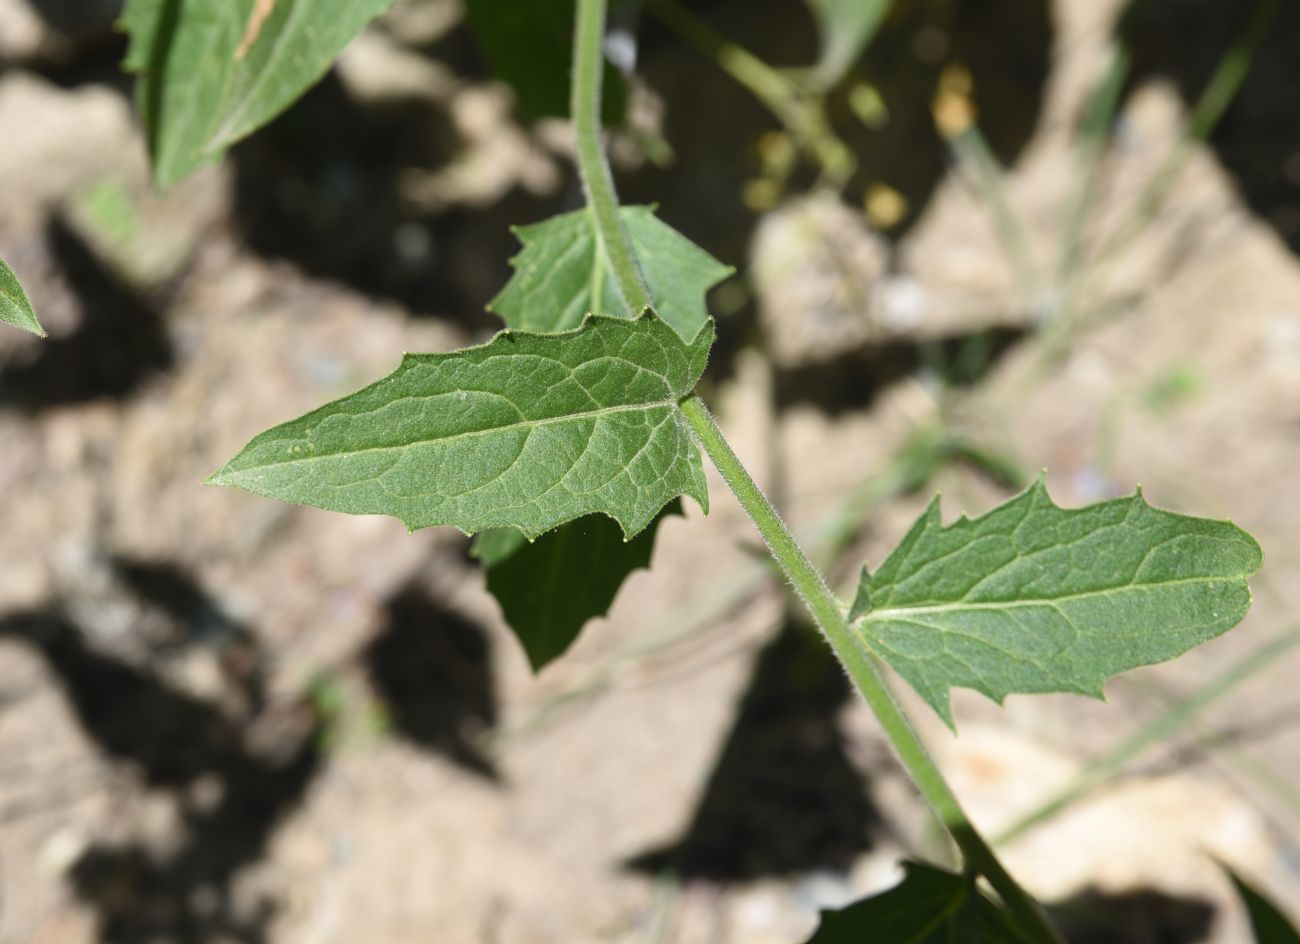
[829, 615]
[803, 114]
[823, 605]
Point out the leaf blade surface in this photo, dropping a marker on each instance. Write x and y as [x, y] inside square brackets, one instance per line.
[929, 906]
[213, 71]
[549, 588]
[561, 274]
[1035, 598]
[15, 307]
[526, 431]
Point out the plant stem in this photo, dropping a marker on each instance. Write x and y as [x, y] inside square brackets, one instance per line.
[852, 655]
[802, 113]
[806, 579]
[596, 180]
[989, 181]
[1094, 134]
[1219, 93]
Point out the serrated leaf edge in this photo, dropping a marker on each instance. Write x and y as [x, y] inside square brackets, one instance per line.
[931, 519]
[225, 478]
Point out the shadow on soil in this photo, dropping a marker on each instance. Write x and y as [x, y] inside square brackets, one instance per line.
[784, 797]
[1258, 139]
[433, 669]
[1005, 47]
[233, 769]
[120, 340]
[327, 187]
[1141, 917]
[853, 379]
[232, 765]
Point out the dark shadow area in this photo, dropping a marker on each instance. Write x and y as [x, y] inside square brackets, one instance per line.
[81, 46]
[433, 670]
[325, 187]
[784, 798]
[187, 895]
[120, 340]
[93, 60]
[76, 18]
[1006, 49]
[177, 742]
[193, 618]
[1141, 917]
[1258, 139]
[714, 125]
[133, 715]
[233, 774]
[852, 380]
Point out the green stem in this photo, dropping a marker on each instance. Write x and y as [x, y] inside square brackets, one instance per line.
[802, 114]
[852, 655]
[823, 605]
[1219, 93]
[989, 179]
[596, 180]
[1092, 148]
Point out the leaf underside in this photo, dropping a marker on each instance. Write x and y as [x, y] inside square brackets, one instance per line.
[562, 275]
[1035, 598]
[549, 588]
[930, 906]
[15, 308]
[526, 431]
[213, 71]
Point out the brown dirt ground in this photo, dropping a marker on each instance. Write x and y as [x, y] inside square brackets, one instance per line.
[223, 719]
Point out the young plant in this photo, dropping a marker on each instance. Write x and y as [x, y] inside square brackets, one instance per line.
[569, 435]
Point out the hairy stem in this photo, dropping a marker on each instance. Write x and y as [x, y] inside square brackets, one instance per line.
[596, 180]
[823, 605]
[852, 655]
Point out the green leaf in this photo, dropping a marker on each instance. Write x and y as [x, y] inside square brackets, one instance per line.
[562, 274]
[846, 28]
[530, 46]
[1034, 598]
[930, 906]
[1268, 922]
[550, 587]
[15, 308]
[527, 431]
[213, 71]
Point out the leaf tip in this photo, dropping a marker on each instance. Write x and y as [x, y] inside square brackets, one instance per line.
[931, 517]
[220, 477]
[943, 708]
[861, 605]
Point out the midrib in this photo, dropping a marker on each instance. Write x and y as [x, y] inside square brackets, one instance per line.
[469, 434]
[904, 612]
